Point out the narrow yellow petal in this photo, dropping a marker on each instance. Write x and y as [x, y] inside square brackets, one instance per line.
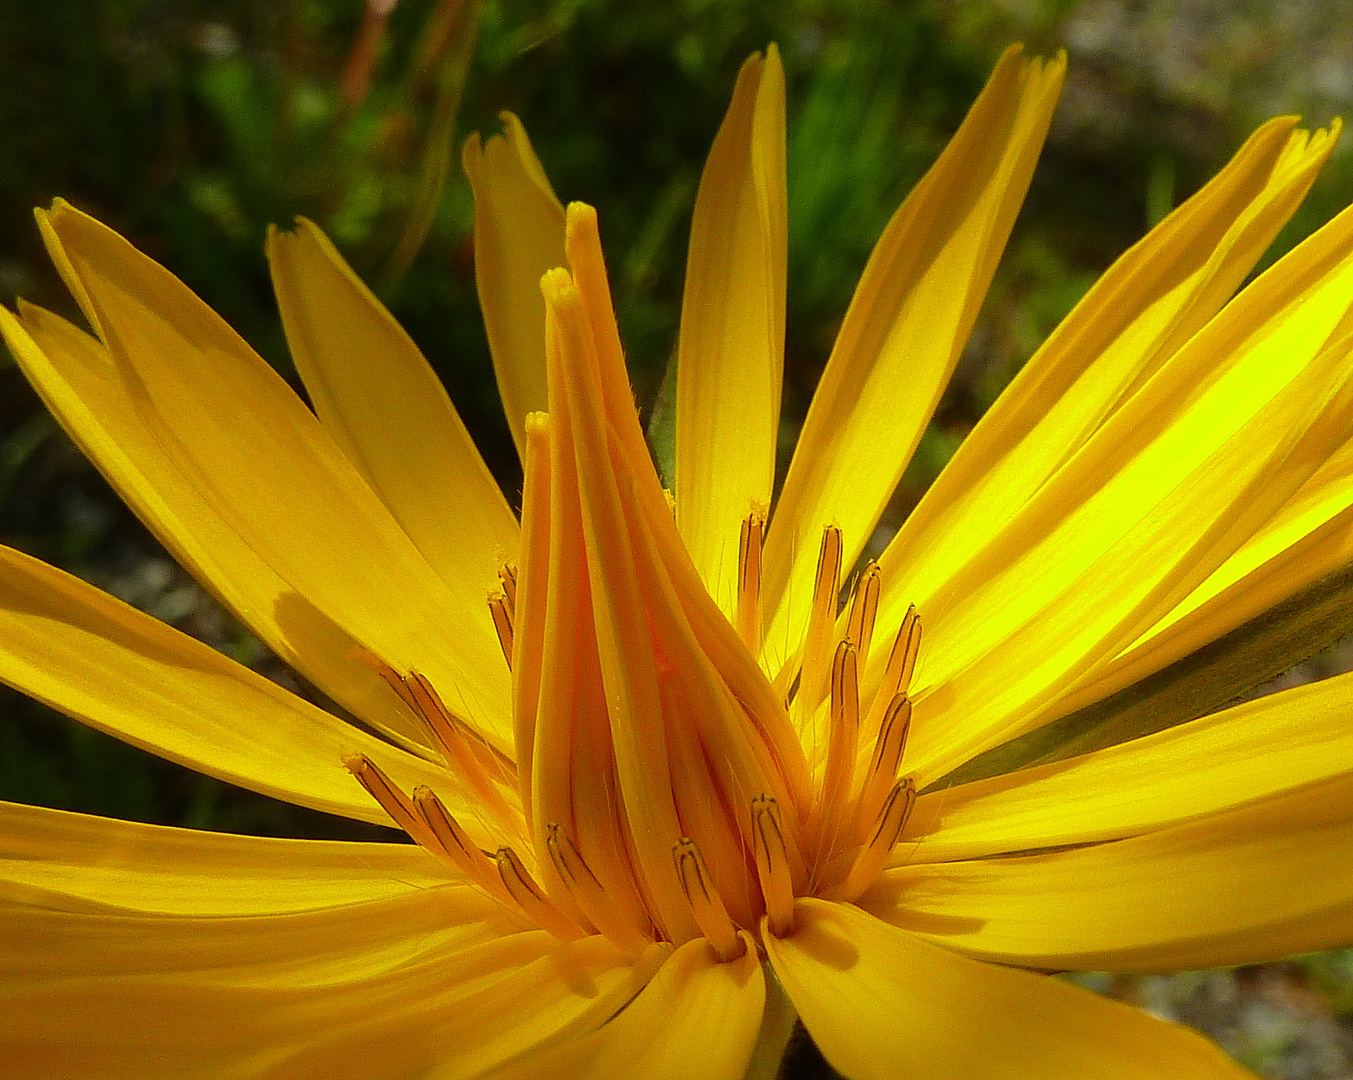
[902, 335]
[1240, 755]
[730, 353]
[243, 485]
[518, 235]
[1166, 490]
[881, 1003]
[697, 1016]
[1308, 539]
[1134, 318]
[76, 860]
[368, 992]
[628, 666]
[388, 411]
[1251, 884]
[117, 669]
[348, 943]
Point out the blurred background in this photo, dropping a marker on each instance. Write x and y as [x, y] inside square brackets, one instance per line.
[190, 125]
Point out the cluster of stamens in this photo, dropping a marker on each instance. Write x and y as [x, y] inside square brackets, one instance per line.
[842, 837]
[661, 788]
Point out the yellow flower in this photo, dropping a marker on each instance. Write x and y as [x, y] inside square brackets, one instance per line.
[665, 795]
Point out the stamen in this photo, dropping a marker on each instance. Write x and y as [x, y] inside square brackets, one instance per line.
[897, 675]
[843, 739]
[864, 607]
[394, 802]
[749, 579]
[507, 578]
[528, 623]
[592, 898]
[500, 607]
[772, 865]
[821, 623]
[395, 682]
[469, 859]
[706, 903]
[531, 898]
[466, 756]
[882, 774]
[892, 820]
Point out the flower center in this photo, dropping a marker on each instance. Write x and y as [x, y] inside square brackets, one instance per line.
[663, 787]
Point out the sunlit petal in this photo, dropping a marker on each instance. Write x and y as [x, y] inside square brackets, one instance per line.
[77, 861]
[1163, 493]
[387, 410]
[1144, 308]
[518, 235]
[882, 1003]
[696, 1016]
[378, 990]
[209, 441]
[1245, 754]
[1260, 882]
[730, 353]
[117, 669]
[910, 316]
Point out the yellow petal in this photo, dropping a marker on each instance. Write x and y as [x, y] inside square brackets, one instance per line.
[518, 235]
[117, 669]
[388, 411]
[881, 1003]
[1166, 490]
[730, 353]
[1135, 317]
[1256, 883]
[1309, 538]
[76, 860]
[628, 668]
[697, 1016]
[1245, 754]
[902, 335]
[282, 949]
[242, 484]
[376, 991]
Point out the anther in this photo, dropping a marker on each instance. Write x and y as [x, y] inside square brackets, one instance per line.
[584, 887]
[394, 802]
[883, 768]
[467, 756]
[772, 864]
[706, 904]
[468, 858]
[864, 607]
[395, 682]
[897, 675]
[821, 622]
[531, 898]
[507, 578]
[500, 608]
[749, 579]
[892, 819]
[842, 743]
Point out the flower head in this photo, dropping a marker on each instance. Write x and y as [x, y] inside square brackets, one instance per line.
[674, 773]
